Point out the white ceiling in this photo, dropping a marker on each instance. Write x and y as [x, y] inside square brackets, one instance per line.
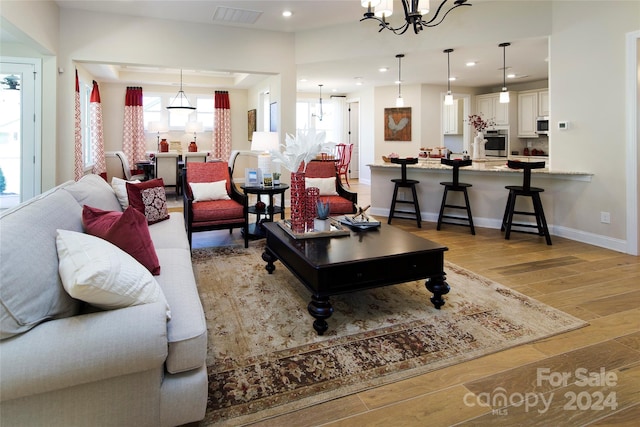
[526, 58]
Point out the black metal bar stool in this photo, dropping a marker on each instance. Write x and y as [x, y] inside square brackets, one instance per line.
[405, 183]
[456, 185]
[525, 190]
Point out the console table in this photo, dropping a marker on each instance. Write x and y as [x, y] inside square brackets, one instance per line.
[366, 259]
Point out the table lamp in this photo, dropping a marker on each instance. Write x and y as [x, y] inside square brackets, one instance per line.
[264, 142]
[157, 127]
[194, 127]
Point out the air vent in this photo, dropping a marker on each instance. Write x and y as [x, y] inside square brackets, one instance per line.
[230, 15]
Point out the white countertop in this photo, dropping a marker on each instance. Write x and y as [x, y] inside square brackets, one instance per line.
[480, 165]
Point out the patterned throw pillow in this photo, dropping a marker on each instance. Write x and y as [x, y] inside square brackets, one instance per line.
[149, 198]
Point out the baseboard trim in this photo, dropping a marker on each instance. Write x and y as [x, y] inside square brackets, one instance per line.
[618, 245]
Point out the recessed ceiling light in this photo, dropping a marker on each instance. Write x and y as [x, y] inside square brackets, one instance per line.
[383, 69]
[452, 79]
[511, 76]
[358, 83]
[287, 13]
[471, 64]
[303, 80]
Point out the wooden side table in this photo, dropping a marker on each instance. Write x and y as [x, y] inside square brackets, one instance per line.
[256, 230]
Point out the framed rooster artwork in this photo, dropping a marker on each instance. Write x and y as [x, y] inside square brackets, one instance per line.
[397, 124]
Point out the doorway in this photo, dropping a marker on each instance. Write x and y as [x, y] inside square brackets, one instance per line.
[19, 120]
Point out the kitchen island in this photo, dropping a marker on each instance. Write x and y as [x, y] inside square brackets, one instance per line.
[488, 195]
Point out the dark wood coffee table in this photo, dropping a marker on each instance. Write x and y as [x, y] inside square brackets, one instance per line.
[364, 260]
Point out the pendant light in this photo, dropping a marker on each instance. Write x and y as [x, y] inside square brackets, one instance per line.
[319, 116]
[504, 95]
[180, 102]
[399, 100]
[448, 99]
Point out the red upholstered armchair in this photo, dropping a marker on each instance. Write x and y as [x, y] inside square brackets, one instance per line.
[343, 201]
[213, 206]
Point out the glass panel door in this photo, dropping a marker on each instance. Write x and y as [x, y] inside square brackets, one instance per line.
[17, 133]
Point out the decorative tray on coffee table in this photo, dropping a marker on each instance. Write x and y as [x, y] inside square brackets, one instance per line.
[358, 222]
[337, 230]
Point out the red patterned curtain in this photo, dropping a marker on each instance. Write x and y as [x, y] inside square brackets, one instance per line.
[97, 134]
[133, 143]
[222, 126]
[78, 164]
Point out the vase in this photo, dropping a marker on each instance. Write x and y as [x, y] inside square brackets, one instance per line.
[164, 146]
[321, 224]
[193, 148]
[478, 146]
[298, 202]
[311, 202]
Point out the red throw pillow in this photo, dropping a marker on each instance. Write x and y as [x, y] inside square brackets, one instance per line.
[149, 198]
[127, 230]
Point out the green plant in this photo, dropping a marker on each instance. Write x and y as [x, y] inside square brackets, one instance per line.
[276, 175]
[322, 209]
[3, 182]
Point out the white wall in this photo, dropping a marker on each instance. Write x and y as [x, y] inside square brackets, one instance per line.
[587, 88]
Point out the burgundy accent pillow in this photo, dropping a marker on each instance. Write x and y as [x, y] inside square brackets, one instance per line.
[127, 230]
[149, 198]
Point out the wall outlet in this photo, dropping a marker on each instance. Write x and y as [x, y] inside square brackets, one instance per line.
[605, 217]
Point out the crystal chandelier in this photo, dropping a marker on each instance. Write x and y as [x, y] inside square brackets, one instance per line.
[414, 10]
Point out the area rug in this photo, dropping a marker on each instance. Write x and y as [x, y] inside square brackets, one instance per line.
[265, 359]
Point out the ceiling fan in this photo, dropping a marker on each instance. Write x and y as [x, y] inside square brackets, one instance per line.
[12, 81]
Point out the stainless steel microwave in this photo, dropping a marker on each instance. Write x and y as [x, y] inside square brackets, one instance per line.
[542, 125]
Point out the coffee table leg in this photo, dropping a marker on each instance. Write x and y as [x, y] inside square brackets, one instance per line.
[438, 287]
[269, 258]
[320, 308]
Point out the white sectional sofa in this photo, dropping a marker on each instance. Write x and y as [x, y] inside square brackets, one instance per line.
[66, 363]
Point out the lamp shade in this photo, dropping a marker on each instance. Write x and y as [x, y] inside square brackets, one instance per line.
[264, 141]
[159, 127]
[193, 127]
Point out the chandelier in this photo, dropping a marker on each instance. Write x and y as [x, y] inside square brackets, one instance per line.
[413, 13]
[181, 102]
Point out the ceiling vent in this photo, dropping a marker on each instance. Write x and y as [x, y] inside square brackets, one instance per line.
[230, 15]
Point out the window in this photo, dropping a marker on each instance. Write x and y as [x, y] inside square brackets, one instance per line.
[152, 107]
[308, 117]
[85, 124]
[155, 110]
[204, 112]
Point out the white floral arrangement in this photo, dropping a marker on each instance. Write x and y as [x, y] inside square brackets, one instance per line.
[301, 149]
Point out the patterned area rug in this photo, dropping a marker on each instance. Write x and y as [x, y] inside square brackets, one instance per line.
[265, 358]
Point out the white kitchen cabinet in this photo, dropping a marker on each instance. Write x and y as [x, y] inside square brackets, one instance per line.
[489, 107]
[543, 103]
[531, 105]
[452, 118]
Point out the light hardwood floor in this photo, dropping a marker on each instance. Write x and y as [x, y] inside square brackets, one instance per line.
[591, 283]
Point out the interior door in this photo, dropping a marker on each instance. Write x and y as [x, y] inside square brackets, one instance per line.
[354, 138]
[19, 156]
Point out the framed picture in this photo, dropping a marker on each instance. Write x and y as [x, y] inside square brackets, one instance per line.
[273, 117]
[251, 177]
[267, 180]
[397, 124]
[251, 123]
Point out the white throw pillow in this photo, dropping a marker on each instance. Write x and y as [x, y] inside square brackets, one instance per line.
[327, 186]
[204, 191]
[101, 274]
[119, 186]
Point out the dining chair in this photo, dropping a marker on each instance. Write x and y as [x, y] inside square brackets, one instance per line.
[126, 168]
[344, 159]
